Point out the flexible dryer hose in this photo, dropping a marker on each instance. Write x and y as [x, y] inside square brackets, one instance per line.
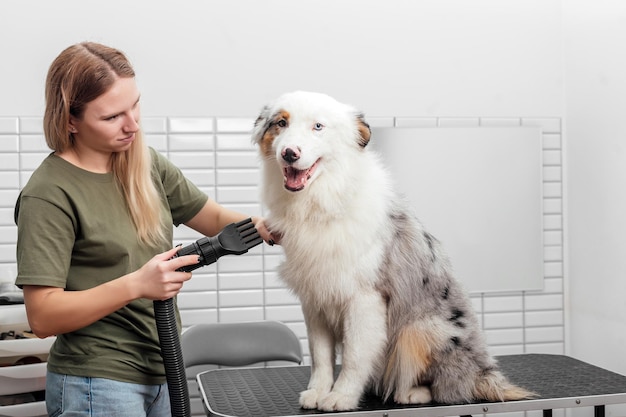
[234, 239]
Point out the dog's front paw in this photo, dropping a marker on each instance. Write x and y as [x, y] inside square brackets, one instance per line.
[336, 401]
[416, 395]
[308, 399]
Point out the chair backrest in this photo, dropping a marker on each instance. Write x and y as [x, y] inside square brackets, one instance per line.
[239, 344]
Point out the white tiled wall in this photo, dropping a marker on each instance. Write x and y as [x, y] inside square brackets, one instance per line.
[216, 153]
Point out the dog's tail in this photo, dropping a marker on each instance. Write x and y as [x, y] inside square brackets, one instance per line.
[493, 386]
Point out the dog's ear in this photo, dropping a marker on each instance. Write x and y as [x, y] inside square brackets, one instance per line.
[261, 125]
[363, 129]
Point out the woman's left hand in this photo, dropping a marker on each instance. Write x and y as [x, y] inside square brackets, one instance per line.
[270, 237]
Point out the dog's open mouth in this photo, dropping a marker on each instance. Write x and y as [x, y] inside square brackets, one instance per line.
[296, 179]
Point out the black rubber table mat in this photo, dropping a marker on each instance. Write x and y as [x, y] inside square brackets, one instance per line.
[559, 381]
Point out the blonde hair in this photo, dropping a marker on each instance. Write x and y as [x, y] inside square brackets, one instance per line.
[80, 74]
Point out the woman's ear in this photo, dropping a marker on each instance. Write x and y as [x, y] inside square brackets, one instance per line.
[71, 126]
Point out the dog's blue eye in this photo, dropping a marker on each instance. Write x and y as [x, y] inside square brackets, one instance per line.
[281, 123]
[318, 126]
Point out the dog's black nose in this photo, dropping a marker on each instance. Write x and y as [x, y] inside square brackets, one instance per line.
[290, 155]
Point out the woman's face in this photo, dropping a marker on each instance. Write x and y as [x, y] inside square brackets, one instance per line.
[109, 122]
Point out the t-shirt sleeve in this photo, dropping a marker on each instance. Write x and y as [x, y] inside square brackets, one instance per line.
[44, 242]
[184, 198]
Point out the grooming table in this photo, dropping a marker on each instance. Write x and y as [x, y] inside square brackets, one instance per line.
[560, 382]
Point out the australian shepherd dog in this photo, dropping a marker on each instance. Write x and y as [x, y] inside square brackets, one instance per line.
[374, 285]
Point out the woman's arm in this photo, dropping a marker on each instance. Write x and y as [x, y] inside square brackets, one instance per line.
[53, 310]
[212, 218]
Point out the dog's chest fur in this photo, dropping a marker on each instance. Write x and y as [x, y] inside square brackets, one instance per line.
[332, 235]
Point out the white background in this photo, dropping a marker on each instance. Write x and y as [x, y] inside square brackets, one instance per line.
[479, 191]
[440, 58]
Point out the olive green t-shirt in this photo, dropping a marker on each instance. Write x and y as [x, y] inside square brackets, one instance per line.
[75, 232]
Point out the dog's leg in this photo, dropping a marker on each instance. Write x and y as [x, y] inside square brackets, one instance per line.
[412, 356]
[365, 338]
[322, 347]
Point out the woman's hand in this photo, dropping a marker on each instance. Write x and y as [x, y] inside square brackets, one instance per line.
[270, 237]
[159, 278]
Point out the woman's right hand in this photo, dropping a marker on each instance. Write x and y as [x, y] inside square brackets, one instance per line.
[159, 278]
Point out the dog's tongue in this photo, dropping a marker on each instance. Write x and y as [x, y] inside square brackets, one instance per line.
[295, 179]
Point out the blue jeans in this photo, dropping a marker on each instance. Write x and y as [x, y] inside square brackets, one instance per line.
[76, 396]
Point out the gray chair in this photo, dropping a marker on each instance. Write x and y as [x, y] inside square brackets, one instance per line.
[213, 345]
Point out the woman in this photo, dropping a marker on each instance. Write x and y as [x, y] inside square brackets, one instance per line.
[94, 244]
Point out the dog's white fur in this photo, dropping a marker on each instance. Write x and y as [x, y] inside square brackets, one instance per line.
[370, 280]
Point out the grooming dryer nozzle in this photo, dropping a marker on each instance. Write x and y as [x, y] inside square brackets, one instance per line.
[234, 239]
